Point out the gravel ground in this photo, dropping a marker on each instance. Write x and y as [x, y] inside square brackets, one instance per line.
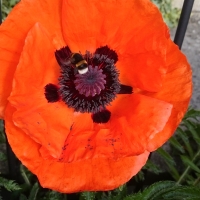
[191, 48]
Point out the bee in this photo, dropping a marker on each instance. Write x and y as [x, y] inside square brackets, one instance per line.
[80, 63]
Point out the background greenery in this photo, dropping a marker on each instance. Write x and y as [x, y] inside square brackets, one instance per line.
[174, 175]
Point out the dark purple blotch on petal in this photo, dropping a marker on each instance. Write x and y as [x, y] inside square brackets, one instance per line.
[109, 53]
[125, 89]
[51, 93]
[101, 116]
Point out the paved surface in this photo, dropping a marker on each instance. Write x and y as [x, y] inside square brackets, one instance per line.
[191, 48]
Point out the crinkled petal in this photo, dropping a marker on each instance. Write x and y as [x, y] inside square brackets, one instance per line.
[137, 120]
[13, 32]
[46, 123]
[84, 175]
[177, 90]
[128, 27]
[132, 125]
[26, 149]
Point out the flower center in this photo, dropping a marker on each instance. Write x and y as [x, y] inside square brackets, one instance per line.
[90, 83]
[88, 90]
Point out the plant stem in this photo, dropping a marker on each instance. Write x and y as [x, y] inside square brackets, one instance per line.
[65, 197]
[24, 175]
[196, 181]
[187, 169]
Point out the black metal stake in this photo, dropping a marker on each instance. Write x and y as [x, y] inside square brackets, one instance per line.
[183, 22]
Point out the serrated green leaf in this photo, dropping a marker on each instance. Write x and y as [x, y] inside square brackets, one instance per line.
[88, 195]
[154, 192]
[188, 162]
[191, 113]
[182, 134]
[192, 128]
[185, 139]
[183, 192]
[166, 156]
[9, 185]
[173, 171]
[22, 197]
[166, 190]
[34, 192]
[2, 156]
[53, 195]
[150, 166]
[176, 144]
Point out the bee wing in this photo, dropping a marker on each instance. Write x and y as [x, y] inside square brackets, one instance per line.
[67, 62]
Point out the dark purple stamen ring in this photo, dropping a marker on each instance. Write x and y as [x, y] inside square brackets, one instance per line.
[90, 90]
[93, 91]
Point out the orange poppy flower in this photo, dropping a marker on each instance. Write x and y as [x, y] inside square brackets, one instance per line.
[89, 88]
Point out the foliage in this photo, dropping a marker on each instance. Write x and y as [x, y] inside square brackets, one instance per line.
[183, 160]
[166, 190]
[170, 14]
[7, 5]
[10, 185]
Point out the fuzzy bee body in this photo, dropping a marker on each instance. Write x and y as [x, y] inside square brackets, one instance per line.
[80, 63]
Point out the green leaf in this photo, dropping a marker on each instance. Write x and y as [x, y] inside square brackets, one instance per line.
[166, 156]
[191, 113]
[192, 128]
[53, 195]
[34, 192]
[182, 134]
[166, 190]
[22, 197]
[150, 166]
[2, 156]
[184, 192]
[154, 192]
[188, 162]
[9, 185]
[185, 139]
[173, 171]
[175, 143]
[88, 195]
[170, 163]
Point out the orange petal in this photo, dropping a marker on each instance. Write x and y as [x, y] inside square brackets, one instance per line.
[128, 27]
[177, 90]
[135, 119]
[26, 149]
[13, 32]
[46, 123]
[85, 175]
[90, 175]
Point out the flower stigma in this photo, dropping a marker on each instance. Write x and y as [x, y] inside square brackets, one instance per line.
[90, 83]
